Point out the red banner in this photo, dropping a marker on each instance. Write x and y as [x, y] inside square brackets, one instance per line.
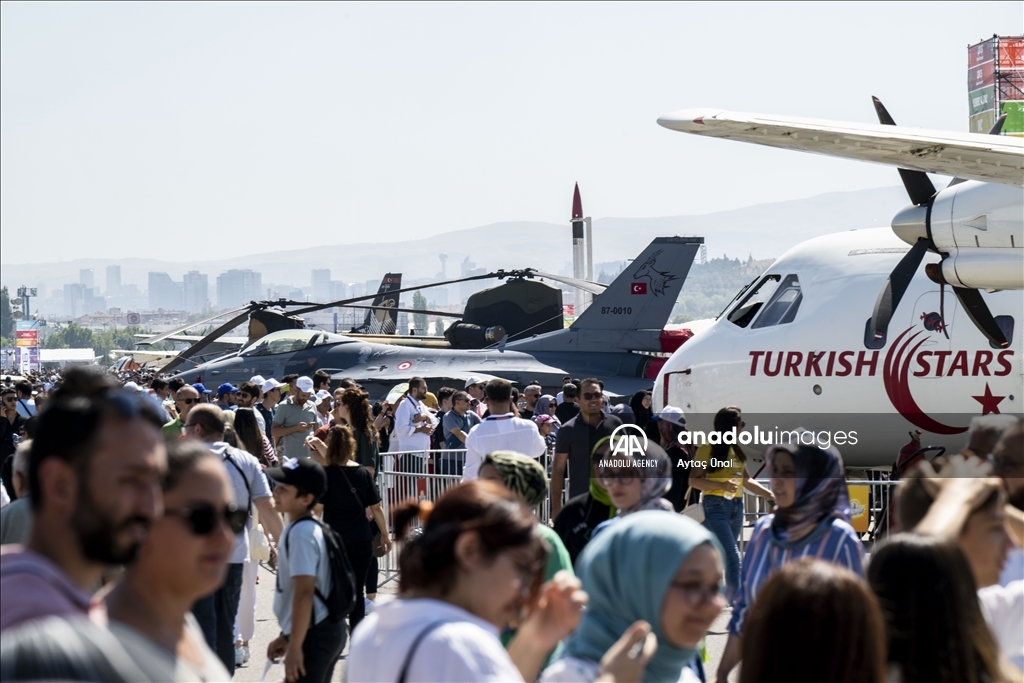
[1011, 53]
[981, 53]
[981, 76]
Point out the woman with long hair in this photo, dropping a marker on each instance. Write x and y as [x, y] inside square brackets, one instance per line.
[252, 439]
[724, 469]
[350, 491]
[476, 565]
[842, 637]
[664, 569]
[354, 408]
[933, 624]
[812, 520]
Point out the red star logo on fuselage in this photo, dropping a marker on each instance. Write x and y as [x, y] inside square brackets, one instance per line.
[989, 403]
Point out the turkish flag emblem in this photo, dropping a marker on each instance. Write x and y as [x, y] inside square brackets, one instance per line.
[638, 288]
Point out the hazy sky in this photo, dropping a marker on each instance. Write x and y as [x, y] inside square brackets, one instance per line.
[186, 131]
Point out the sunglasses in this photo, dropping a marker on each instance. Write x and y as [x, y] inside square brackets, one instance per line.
[10, 399]
[189, 401]
[591, 395]
[202, 519]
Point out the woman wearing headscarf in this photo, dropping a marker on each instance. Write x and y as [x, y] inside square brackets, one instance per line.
[812, 520]
[641, 405]
[579, 517]
[662, 569]
[640, 487]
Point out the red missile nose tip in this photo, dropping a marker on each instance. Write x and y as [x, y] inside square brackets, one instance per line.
[577, 203]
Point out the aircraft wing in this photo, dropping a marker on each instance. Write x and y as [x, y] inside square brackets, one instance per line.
[394, 375]
[987, 158]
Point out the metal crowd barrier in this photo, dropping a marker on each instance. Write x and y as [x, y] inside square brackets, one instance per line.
[426, 475]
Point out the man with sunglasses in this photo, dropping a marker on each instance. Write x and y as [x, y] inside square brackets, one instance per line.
[94, 477]
[216, 613]
[184, 400]
[575, 441]
[11, 426]
[247, 397]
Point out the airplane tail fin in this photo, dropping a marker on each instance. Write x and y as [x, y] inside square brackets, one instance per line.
[380, 320]
[642, 296]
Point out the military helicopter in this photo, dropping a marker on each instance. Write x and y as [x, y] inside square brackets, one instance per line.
[619, 337]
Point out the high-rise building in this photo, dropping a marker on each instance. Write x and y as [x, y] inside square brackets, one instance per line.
[87, 277]
[113, 280]
[195, 288]
[74, 300]
[238, 287]
[322, 284]
[164, 293]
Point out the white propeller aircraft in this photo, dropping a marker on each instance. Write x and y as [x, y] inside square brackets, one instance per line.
[845, 334]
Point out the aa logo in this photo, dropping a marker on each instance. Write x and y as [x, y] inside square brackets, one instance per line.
[628, 445]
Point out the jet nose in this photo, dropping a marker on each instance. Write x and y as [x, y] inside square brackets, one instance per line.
[687, 120]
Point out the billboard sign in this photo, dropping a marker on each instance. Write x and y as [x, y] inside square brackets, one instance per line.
[982, 100]
[26, 341]
[981, 53]
[1011, 53]
[981, 76]
[1014, 124]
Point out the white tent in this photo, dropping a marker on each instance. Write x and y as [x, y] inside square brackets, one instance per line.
[63, 357]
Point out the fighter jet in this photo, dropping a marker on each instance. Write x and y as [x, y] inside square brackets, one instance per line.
[620, 338]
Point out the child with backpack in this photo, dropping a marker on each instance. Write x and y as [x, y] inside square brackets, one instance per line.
[315, 584]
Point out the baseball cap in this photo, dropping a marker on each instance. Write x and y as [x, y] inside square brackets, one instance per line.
[322, 394]
[198, 386]
[258, 380]
[305, 473]
[673, 415]
[304, 384]
[132, 386]
[270, 384]
[227, 388]
[470, 381]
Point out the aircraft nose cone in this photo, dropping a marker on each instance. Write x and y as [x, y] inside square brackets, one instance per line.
[911, 223]
[687, 120]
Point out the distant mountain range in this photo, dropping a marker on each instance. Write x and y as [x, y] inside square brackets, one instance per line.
[763, 231]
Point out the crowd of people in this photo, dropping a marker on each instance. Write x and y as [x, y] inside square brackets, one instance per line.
[136, 515]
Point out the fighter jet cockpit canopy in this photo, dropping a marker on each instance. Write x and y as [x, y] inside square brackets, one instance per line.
[290, 341]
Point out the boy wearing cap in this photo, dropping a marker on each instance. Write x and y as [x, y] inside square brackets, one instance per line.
[295, 420]
[310, 642]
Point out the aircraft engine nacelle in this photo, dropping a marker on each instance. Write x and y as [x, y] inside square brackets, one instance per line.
[467, 336]
[979, 226]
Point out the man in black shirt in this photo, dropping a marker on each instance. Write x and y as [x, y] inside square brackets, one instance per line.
[671, 422]
[575, 441]
[567, 409]
[532, 395]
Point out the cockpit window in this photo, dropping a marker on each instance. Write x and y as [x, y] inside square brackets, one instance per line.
[772, 301]
[754, 300]
[289, 341]
[782, 306]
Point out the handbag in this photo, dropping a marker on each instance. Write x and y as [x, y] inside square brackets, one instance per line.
[259, 546]
[694, 511]
[378, 546]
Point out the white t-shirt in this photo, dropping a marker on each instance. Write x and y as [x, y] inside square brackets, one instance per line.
[575, 670]
[462, 648]
[500, 433]
[257, 485]
[405, 436]
[303, 552]
[1014, 568]
[1003, 607]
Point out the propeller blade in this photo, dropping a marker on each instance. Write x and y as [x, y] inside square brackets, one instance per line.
[355, 300]
[895, 287]
[585, 285]
[156, 339]
[207, 340]
[979, 314]
[919, 185]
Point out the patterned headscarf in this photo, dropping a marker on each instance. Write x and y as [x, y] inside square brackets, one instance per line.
[655, 482]
[522, 475]
[820, 490]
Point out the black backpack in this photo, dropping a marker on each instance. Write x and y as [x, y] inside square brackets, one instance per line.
[342, 599]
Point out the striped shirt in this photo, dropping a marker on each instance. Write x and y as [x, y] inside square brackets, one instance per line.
[832, 541]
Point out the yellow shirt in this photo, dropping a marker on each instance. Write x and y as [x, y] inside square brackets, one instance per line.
[734, 470]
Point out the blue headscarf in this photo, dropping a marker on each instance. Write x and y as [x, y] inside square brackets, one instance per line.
[626, 571]
[820, 493]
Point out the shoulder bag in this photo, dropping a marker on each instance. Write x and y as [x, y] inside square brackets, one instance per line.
[694, 511]
[378, 546]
